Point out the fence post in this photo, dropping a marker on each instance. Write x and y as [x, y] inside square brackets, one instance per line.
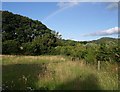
[98, 65]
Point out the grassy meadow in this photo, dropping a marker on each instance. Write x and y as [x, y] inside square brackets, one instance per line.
[56, 73]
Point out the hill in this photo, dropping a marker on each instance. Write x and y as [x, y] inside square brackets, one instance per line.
[106, 40]
[20, 32]
[24, 36]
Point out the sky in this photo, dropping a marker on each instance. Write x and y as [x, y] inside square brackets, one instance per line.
[80, 21]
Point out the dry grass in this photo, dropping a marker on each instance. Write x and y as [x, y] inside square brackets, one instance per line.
[55, 72]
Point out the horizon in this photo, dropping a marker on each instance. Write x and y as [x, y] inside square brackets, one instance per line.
[65, 18]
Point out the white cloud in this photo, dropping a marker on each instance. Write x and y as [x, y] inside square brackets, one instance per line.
[70, 3]
[111, 31]
[58, 0]
[61, 7]
[112, 6]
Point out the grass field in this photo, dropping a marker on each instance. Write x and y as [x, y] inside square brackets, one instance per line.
[55, 73]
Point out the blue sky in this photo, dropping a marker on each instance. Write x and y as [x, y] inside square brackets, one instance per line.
[74, 20]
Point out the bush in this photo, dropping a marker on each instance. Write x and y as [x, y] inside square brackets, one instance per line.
[10, 47]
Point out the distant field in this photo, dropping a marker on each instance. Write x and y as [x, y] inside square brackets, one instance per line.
[55, 73]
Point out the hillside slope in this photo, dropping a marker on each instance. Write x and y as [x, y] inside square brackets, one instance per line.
[22, 35]
[19, 32]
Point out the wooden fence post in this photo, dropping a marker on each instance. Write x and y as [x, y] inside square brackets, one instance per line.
[98, 65]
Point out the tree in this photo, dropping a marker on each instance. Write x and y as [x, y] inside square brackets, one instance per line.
[102, 54]
[10, 47]
[32, 35]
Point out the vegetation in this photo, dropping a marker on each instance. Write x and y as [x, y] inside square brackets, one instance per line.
[44, 59]
[21, 35]
[56, 72]
[28, 36]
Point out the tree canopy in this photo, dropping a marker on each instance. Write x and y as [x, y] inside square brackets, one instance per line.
[22, 35]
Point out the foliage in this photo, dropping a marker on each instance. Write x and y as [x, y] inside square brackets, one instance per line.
[22, 35]
[32, 35]
[91, 53]
[10, 47]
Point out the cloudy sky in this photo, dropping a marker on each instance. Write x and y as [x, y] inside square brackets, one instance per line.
[74, 20]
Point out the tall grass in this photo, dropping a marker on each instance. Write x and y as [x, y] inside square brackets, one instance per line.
[55, 72]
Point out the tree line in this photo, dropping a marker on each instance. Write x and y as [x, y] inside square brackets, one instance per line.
[24, 36]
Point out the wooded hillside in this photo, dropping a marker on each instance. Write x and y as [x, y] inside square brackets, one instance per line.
[22, 35]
